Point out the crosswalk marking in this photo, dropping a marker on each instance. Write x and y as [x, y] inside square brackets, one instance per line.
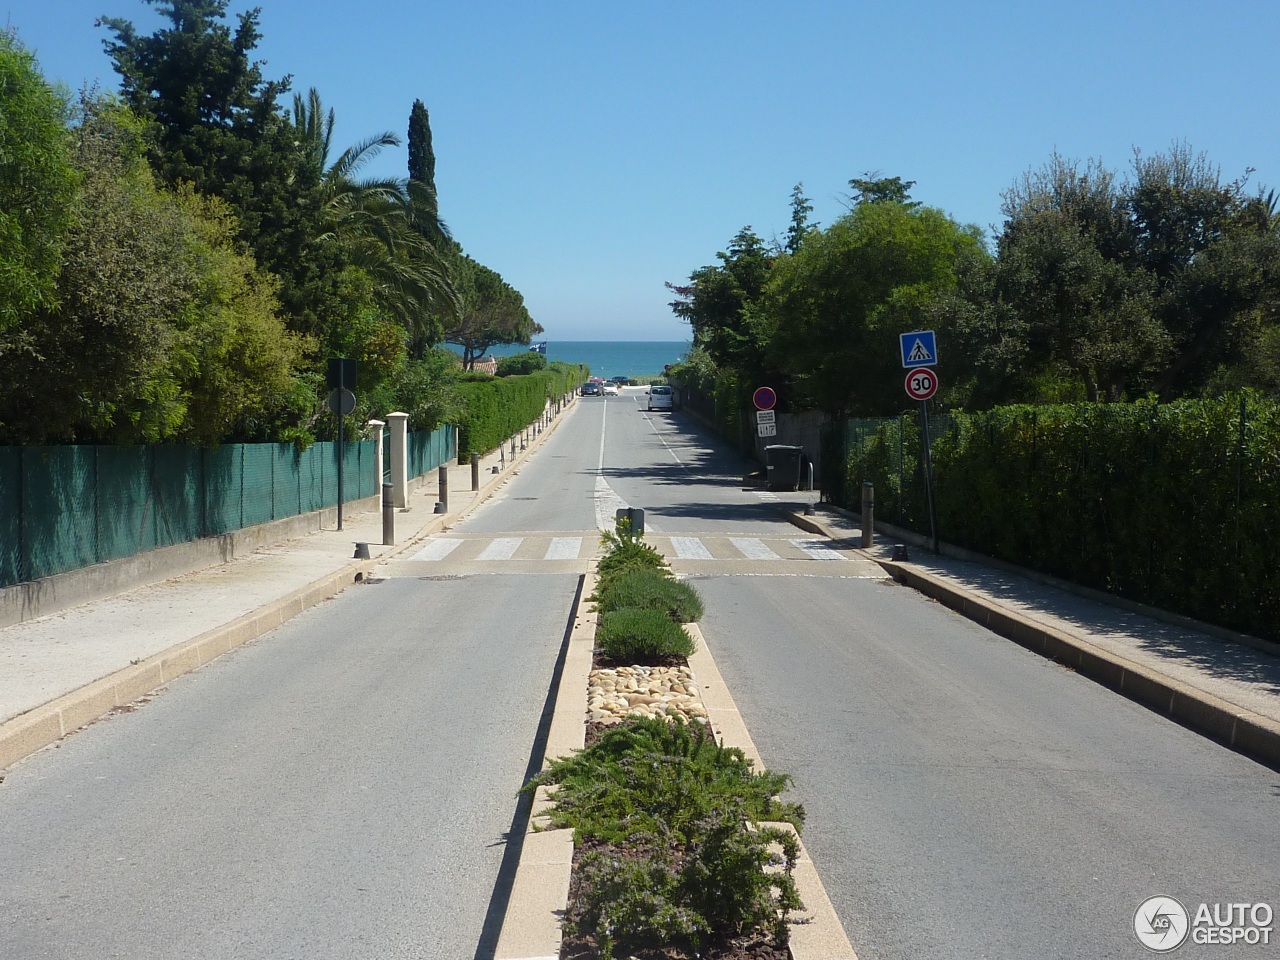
[564, 548]
[501, 548]
[436, 550]
[690, 548]
[753, 548]
[817, 549]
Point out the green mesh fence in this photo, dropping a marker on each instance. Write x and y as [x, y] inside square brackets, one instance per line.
[58, 511]
[10, 515]
[430, 450]
[67, 507]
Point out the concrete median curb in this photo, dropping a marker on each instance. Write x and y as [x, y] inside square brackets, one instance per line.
[540, 891]
[1242, 730]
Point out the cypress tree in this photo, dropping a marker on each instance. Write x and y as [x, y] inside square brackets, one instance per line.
[422, 159]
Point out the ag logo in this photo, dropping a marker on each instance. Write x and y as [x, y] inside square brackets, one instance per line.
[1161, 924]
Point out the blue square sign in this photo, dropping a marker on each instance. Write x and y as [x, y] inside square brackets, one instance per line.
[919, 349]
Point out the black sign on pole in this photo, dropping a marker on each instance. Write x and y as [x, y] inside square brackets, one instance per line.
[342, 378]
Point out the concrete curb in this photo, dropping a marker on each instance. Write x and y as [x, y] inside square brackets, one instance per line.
[1242, 730]
[540, 891]
[29, 732]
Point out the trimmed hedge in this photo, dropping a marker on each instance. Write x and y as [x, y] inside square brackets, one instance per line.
[639, 635]
[653, 589]
[498, 408]
[1175, 505]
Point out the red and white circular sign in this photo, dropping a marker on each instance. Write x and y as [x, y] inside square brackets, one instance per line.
[921, 384]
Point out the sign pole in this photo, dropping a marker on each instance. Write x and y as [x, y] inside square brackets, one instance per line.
[928, 474]
[340, 465]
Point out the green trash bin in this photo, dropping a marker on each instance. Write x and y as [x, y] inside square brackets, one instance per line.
[782, 466]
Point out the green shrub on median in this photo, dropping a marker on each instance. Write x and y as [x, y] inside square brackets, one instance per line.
[689, 813]
[640, 635]
[651, 589]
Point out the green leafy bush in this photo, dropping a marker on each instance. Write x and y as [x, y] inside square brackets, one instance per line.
[678, 853]
[637, 635]
[652, 589]
[624, 551]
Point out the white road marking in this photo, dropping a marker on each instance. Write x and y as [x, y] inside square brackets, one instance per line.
[501, 548]
[817, 549]
[690, 548]
[436, 550]
[564, 548]
[768, 497]
[753, 548]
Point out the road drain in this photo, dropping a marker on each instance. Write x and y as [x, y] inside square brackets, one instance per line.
[446, 576]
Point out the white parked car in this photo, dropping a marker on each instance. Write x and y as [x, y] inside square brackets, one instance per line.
[610, 388]
[660, 397]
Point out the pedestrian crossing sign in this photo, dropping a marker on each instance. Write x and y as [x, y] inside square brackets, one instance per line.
[919, 349]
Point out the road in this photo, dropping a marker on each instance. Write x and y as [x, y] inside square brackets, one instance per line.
[343, 787]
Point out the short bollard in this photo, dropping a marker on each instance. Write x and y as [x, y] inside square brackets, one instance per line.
[444, 488]
[362, 551]
[868, 514]
[388, 516]
[475, 471]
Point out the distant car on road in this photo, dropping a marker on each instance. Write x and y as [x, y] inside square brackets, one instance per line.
[610, 388]
[622, 381]
[590, 389]
[660, 397]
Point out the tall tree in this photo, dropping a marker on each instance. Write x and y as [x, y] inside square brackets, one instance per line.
[374, 222]
[422, 158]
[37, 183]
[831, 313]
[492, 312]
[1214, 252]
[162, 329]
[220, 126]
[422, 177]
[717, 300]
[800, 210]
[872, 188]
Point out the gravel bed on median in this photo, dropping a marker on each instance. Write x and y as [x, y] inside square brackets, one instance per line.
[616, 693]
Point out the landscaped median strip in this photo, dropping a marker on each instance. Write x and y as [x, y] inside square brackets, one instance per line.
[540, 892]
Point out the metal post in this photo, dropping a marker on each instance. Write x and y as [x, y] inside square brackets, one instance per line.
[341, 458]
[475, 471]
[928, 474]
[444, 487]
[868, 515]
[388, 516]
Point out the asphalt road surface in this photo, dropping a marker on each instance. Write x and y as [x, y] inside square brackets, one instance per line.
[343, 787]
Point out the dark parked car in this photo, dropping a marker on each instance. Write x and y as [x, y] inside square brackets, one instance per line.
[622, 381]
[590, 389]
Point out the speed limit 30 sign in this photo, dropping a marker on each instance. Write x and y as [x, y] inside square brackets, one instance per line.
[921, 384]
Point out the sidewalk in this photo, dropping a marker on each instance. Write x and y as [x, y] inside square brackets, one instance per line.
[1222, 685]
[62, 671]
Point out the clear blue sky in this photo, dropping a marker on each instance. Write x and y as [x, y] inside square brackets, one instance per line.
[590, 151]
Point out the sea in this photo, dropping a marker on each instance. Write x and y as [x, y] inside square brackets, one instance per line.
[610, 358]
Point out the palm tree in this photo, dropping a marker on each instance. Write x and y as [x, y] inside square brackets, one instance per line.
[382, 225]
